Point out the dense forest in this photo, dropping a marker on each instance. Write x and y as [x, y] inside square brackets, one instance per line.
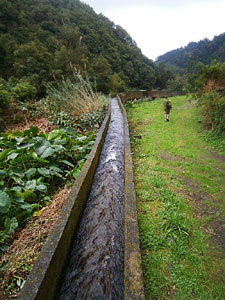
[182, 60]
[44, 40]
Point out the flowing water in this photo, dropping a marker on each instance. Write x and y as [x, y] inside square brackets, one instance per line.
[95, 269]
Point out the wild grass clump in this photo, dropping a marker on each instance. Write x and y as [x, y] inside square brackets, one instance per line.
[68, 100]
[67, 103]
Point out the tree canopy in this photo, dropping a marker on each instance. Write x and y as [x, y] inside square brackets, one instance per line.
[43, 40]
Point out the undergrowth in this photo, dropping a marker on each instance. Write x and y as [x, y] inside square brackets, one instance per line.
[69, 102]
[32, 166]
[44, 149]
[73, 103]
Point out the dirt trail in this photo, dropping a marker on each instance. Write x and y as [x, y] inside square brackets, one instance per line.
[205, 205]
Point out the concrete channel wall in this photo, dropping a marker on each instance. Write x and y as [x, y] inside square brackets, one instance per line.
[153, 94]
[43, 281]
[133, 282]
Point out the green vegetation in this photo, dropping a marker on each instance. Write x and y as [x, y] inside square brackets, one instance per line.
[42, 41]
[207, 86]
[183, 63]
[38, 166]
[72, 103]
[48, 46]
[182, 60]
[179, 181]
[32, 167]
[33, 164]
[15, 89]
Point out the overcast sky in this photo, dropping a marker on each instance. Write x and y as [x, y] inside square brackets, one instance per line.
[159, 26]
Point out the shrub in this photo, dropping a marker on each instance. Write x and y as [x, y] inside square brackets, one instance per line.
[212, 106]
[23, 91]
[208, 87]
[32, 166]
[92, 119]
[73, 103]
[15, 90]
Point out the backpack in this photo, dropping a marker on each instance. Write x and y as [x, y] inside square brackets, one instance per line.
[168, 104]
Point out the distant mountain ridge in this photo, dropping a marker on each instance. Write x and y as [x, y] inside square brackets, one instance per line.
[203, 51]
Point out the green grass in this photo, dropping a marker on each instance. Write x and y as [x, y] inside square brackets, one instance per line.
[180, 187]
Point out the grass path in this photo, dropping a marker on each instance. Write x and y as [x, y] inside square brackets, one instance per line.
[180, 188]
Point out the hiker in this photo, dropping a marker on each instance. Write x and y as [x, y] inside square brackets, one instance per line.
[167, 108]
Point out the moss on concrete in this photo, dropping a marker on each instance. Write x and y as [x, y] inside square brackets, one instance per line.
[133, 281]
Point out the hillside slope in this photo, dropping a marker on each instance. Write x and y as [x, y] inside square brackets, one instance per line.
[204, 51]
[42, 40]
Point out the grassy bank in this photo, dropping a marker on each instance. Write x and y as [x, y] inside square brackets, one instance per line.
[179, 180]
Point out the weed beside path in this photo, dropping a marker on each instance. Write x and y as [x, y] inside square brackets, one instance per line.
[180, 187]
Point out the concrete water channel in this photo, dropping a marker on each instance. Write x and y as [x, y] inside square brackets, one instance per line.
[93, 251]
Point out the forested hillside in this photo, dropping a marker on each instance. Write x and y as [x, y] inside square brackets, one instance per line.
[205, 51]
[43, 40]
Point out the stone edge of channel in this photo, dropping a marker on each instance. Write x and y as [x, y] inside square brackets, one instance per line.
[133, 279]
[45, 275]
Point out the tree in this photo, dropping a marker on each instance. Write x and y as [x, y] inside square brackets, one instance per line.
[7, 48]
[45, 39]
[101, 73]
[33, 63]
[204, 51]
[164, 75]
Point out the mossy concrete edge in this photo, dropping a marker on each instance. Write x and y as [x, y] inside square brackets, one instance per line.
[133, 279]
[45, 276]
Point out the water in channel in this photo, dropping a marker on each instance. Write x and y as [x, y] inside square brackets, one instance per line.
[95, 269]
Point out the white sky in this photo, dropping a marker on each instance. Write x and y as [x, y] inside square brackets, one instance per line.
[159, 26]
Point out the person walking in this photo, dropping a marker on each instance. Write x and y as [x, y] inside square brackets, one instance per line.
[167, 108]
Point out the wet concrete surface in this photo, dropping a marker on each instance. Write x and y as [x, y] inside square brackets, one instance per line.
[96, 264]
